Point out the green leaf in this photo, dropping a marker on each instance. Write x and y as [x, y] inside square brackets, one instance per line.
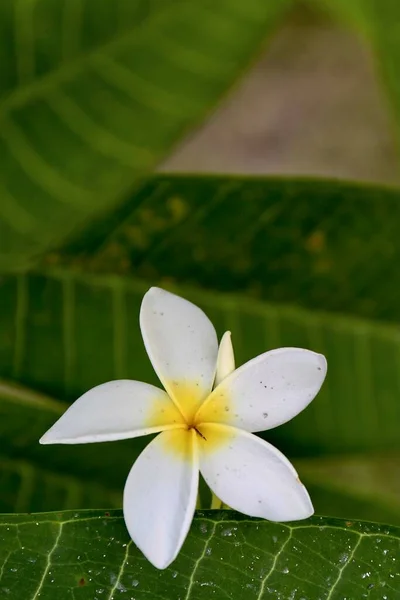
[361, 486]
[32, 478]
[378, 21]
[93, 94]
[322, 244]
[38, 478]
[354, 13]
[88, 555]
[26, 486]
[62, 333]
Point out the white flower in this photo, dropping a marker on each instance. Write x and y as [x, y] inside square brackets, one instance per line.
[202, 429]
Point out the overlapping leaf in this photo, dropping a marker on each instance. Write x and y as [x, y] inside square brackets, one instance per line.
[63, 333]
[88, 555]
[93, 93]
[40, 478]
[378, 21]
[361, 486]
[33, 479]
[321, 244]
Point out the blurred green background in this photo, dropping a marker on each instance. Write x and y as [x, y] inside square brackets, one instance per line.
[244, 155]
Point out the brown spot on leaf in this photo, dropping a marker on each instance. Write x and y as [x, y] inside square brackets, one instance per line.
[315, 242]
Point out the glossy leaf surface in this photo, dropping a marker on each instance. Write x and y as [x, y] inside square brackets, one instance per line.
[321, 244]
[94, 93]
[88, 555]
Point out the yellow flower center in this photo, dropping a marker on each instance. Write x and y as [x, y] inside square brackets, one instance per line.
[185, 413]
[187, 396]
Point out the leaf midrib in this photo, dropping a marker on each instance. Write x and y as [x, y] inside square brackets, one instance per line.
[41, 84]
[27, 397]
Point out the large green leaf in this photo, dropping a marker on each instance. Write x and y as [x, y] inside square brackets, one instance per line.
[26, 486]
[355, 13]
[362, 486]
[32, 479]
[94, 93]
[378, 21]
[322, 244]
[63, 333]
[88, 555]
[38, 478]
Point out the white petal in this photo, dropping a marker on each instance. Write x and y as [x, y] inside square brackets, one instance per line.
[266, 391]
[160, 495]
[114, 411]
[182, 345]
[251, 476]
[226, 358]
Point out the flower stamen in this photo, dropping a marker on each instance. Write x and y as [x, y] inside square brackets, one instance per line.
[200, 434]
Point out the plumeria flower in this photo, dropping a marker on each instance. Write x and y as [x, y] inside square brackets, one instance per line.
[202, 429]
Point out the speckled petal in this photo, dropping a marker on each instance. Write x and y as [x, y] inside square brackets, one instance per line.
[114, 411]
[182, 345]
[160, 495]
[251, 476]
[266, 391]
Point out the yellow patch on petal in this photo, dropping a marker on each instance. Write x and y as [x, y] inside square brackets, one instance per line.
[216, 409]
[180, 443]
[162, 412]
[208, 437]
[187, 396]
[213, 436]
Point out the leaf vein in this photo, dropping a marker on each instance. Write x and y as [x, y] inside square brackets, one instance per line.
[38, 169]
[201, 557]
[68, 330]
[4, 564]
[42, 84]
[139, 89]
[48, 563]
[341, 569]
[17, 216]
[119, 331]
[25, 41]
[20, 319]
[94, 135]
[268, 575]
[121, 572]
